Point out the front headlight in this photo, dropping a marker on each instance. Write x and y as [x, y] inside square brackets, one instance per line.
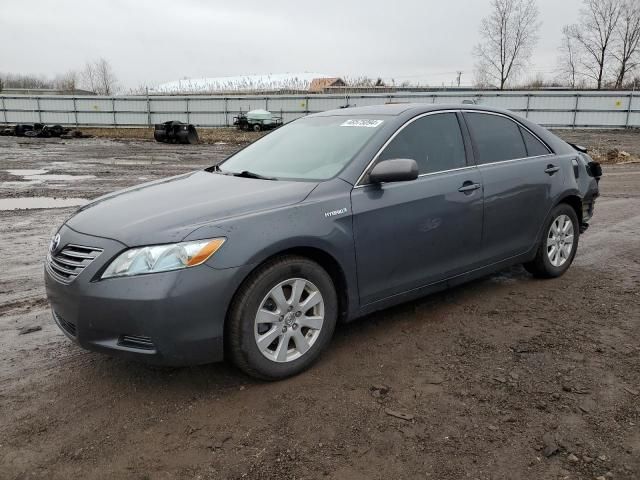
[161, 258]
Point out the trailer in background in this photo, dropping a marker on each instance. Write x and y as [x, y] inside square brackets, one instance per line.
[257, 120]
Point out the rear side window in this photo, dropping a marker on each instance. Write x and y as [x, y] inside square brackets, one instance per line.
[434, 142]
[534, 146]
[496, 138]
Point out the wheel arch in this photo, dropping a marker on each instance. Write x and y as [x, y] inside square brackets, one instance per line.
[323, 258]
[333, 268]
[575, 202]
[571, 198]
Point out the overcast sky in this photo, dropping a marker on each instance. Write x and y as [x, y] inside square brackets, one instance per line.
[154, 41]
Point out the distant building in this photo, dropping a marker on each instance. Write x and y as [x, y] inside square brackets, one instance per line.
[319, 85]
[246, 84]
[44, 91]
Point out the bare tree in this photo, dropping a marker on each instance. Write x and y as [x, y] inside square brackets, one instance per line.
[107, 81]
[67, 81]
[568, 61]
[481, 80]
[12, 80]
[632, 84]
[142, 89]
[98, 77]
[627, 48]
[594, 36]
[508, 35]
[88, 77]
[361, 82]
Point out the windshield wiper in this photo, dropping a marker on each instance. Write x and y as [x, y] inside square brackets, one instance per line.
[244, 173]
[248, 174]
[216, 169]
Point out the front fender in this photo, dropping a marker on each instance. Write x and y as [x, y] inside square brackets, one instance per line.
[254, 238]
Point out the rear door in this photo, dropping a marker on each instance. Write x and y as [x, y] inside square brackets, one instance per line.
[520, 178]
[410, 234]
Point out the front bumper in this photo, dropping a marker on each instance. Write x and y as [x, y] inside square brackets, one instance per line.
[168, 318]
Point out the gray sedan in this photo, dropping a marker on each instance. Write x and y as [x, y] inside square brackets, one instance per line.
[329, 218]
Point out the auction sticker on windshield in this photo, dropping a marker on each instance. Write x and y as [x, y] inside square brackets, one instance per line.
[362, 122]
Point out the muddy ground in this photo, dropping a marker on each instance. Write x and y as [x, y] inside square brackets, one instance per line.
[206, 135]
[504, 378]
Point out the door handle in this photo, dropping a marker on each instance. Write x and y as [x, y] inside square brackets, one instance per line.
[551, 169]
[468, 187]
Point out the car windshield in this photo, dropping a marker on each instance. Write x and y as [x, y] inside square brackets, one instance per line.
[312, 148]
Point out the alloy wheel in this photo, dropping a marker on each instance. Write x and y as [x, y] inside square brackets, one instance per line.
[289, 320]
[560, 240]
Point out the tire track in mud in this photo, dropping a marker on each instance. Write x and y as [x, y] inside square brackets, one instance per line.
[16, 306]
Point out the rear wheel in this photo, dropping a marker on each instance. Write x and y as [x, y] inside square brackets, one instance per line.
[558, 245]
[282, 318]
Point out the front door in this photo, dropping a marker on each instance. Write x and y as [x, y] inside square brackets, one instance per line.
[411, 234]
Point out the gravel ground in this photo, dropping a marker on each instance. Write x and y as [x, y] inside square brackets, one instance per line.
[507, 377]
[600, 142]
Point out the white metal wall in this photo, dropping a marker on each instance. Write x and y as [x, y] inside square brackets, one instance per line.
[554, 109]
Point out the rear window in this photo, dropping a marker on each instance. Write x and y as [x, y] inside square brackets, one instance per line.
[496, 138]
[534, 146]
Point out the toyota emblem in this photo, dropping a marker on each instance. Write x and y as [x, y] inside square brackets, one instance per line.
[55, 242]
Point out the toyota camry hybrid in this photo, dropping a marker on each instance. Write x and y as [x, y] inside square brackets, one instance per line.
[326, 219]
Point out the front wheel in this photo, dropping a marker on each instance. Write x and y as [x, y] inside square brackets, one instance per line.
[281, 318]
[558, 245]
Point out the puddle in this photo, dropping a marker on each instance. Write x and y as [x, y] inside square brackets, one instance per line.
[42, 176]
[122, 161]
[24, 173]
[16, 184]
[27, 203]
[57, 178]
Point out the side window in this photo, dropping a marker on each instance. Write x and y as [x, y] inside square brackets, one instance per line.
[434, 142]
[496, 138]
[534, 146]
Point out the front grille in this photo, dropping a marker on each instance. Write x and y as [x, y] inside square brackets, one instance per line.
[136, 341]
[65, 325]
[69, 262]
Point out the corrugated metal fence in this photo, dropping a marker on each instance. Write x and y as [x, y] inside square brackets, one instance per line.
[554, 109]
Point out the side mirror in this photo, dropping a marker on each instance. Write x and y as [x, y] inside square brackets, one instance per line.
[396, 170]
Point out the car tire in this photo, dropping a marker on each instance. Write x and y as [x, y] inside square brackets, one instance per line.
[259, 313]
[257, 127]
[558, 244]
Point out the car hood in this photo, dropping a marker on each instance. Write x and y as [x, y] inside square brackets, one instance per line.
[168, 210]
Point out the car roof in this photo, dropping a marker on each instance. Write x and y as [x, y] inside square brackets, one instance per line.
[385, 109]
[395, 109]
